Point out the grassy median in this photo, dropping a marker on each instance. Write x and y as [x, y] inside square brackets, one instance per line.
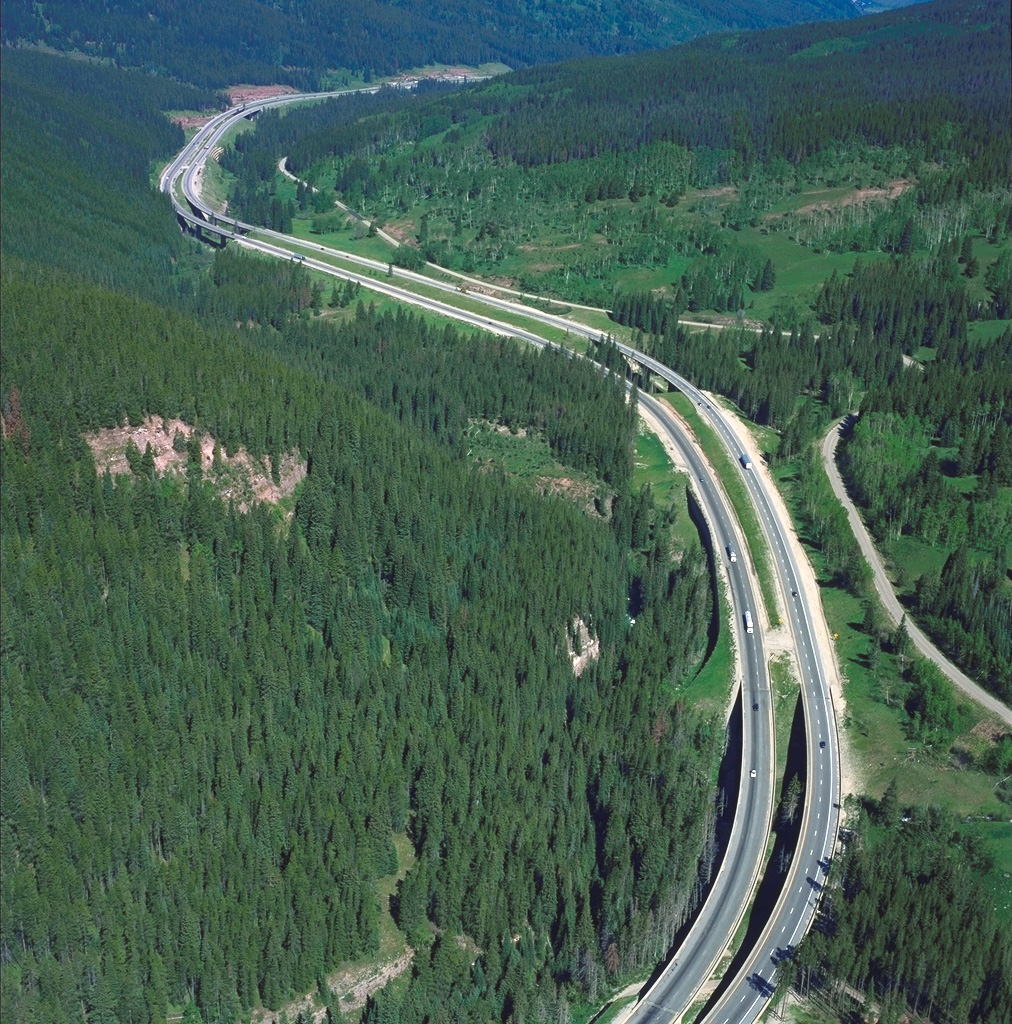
[727, 470]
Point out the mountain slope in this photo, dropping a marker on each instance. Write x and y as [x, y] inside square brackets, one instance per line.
[287, 40]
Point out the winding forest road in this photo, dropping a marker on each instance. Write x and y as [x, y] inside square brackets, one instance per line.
[884, 587]
[746, 994]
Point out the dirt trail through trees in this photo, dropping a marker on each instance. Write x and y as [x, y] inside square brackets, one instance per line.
[887, 595]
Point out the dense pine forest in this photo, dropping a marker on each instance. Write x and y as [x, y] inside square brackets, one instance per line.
[216, 722]
[392, 659]
[78, 141]
[297, 42]
[895, 920]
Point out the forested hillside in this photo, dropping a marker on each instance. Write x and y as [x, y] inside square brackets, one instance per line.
[394, 658]
[292, 41]
[569, 178]
[216, 722]
[78, 142]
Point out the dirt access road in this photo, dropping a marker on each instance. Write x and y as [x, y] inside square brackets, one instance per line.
[887, 595]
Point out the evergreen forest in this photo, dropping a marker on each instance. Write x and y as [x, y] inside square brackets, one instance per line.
[217, 722]
[895, 920]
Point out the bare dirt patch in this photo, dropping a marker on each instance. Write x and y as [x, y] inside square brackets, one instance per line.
[355, 986]
[871, 194]
[589, 647]
[989, 730]
[251, 93]
[566, 487]
[404, 231]
[239, 477]
[352, 986]
[191, 120]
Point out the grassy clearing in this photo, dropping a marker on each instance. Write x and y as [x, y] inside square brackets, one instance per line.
[527, 455]
[811, 196]
[800, 270]
[642, 279]
[652, 466]
[216, 184]
[602, 322]
[392, 941]
[996, 838]
[907, 558]
[910, 558]
[373, 248]
[988, 330]
[238, 127]
[735, 488]
[709, 689]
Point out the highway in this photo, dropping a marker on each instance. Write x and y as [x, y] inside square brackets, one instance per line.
[747, 994]
[743, 1001]
[698, 953]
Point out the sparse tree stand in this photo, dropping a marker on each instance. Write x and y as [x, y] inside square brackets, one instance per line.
[902, 644]
[791, 800]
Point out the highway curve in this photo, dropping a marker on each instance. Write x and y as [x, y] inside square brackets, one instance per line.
[748, 993]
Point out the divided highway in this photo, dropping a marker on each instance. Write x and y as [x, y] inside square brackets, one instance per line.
[697, 955]
[743, 1001]
[747, 994]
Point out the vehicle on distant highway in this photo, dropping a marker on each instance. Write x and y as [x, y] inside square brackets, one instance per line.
[731, 554]
[746, 460]
[748, 621]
